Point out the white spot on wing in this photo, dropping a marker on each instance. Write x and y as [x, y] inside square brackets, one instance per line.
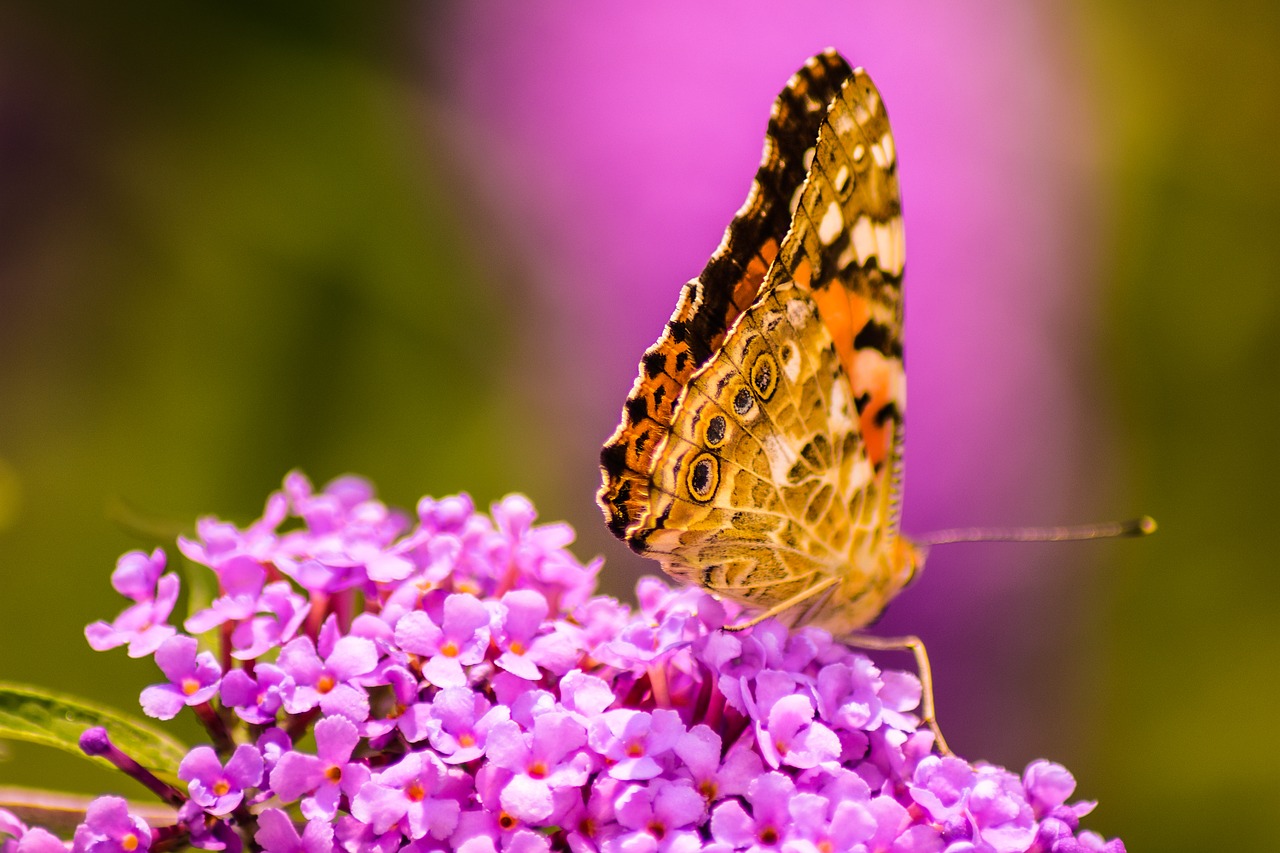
[860, 474]
[846, 257]
[842, 177]
[864, 240]
[889, 246]
[886, 143]
[840, 416]
[831, 224]
[840, 121]
[781, 455]
[798, 312]
[791, 367]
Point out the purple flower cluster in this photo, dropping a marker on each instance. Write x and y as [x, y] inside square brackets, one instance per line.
[372, 682]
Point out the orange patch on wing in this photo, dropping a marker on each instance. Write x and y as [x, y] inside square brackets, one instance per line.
[802, 275]
[748, 288]
[875, 378]
[844, 314]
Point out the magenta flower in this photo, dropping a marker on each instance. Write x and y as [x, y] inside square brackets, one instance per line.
[461, 639]
[193, 678]
[109, 828]
[217, 789]
[277, 834]
[325, 776]
[633, 741]
[540, 761]
[403, 792]
[144, 625]
[458, 722]
[660, 818]
[255, 698]
[328, 682]
[793, 737]
[484, 701]
[765, 826]
[24, 839]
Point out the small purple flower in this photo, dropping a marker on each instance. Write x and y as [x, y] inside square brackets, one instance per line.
[255, 698]
[765, 827]
[832, 823]
[327, 682]
[403, 792]
[145, 625]
[634, 740]
[660, 818]
[699, 750]
[241, 579]
[942, 785]
[277, 834]
[216, 789]
[324, 776]
[461, 639]
[24, 839]
[457, 723]
[522, 614]
[999, 812]
[109, 828]
[193, 678]
[793, 737]
[541, 761]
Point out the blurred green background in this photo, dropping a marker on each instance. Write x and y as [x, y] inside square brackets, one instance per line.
[238, 238]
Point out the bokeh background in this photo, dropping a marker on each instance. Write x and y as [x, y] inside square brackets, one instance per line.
[428, 242]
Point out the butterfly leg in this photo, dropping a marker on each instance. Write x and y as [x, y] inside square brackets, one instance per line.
[784, 606]
[914, 645]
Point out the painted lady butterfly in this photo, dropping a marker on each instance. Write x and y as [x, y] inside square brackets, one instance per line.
[759, 453]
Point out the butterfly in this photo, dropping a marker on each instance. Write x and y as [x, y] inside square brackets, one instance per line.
[760, 449]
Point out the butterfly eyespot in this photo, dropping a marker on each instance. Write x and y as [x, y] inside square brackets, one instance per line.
[704, 477]
[716, 431]
[764, 376]
[742, 401]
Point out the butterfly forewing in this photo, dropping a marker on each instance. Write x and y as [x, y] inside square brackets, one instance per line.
[775, 471]
[726, 287]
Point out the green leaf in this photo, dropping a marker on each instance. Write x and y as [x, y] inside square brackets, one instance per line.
[40, 716]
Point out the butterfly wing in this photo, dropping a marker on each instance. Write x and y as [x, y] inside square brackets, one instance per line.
[779, 472]
[727, 286]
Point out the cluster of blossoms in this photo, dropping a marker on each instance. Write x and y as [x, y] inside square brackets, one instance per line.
[371, 682]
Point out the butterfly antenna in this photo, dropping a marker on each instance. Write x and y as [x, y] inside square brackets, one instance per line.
[1108, 530]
